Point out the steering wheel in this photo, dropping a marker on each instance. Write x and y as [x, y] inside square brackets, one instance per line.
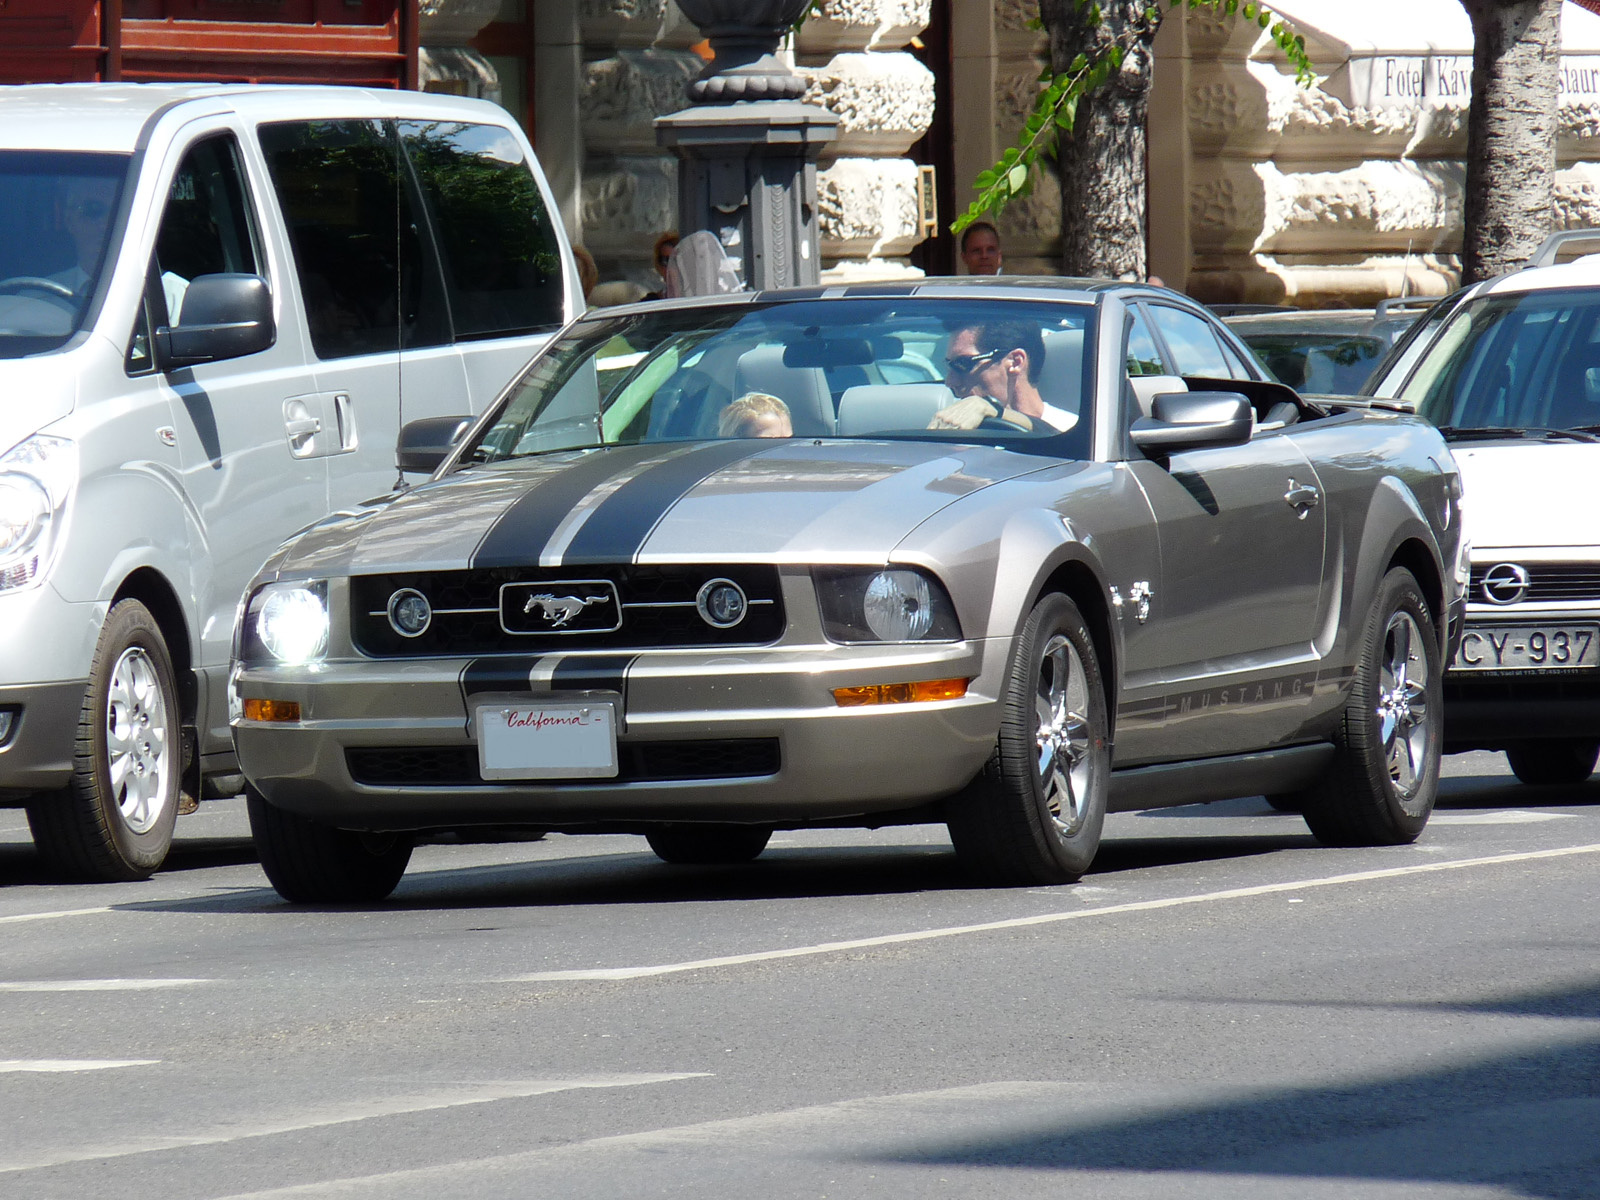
[22, 283]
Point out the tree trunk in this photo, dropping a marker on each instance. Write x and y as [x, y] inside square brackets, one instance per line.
[1102, 164]
[1511, 133]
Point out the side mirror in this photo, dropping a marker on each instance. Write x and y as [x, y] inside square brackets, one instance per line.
[426, 443]
[1189, 420]
[223, 316]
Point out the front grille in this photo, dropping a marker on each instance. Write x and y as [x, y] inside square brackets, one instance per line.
[637, 762]
[657, 603]
[1548, 583]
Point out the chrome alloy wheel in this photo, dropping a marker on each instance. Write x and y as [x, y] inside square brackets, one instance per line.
[139, 743]
[1403, 704]
[1065, 767]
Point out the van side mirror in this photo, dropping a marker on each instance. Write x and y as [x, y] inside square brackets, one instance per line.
[1189, 420]
[426, 443]
[223, 316]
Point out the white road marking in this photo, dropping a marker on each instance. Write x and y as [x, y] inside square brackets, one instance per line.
[340, 1114]
[52, 916]
[924, 935]
[54, 1065]
[1509, 816]
[97, 985]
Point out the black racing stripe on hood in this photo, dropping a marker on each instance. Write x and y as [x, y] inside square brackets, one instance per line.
[616, 530]
[520, 534]
[510, 674]
[600, 673]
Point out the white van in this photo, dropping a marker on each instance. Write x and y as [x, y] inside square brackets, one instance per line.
[217, 306]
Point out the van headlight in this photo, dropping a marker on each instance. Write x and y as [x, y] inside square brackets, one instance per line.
[286, 623]
[36, 480]
[888, 604]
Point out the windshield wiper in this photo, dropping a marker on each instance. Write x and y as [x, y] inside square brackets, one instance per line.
[1534, 433]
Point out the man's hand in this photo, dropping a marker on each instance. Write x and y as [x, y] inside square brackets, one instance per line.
[974, 411]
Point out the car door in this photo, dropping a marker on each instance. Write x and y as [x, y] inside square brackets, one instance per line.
[250, 473]
[371, 292]
[1235, 613]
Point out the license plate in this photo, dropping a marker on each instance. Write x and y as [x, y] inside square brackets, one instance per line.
[547, 741]
[1528, 648]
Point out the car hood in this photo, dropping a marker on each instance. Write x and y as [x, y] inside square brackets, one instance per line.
[33, 393]
[1531, 494]
[747, 501]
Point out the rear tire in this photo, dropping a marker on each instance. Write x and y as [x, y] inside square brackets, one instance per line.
[113, 821]
[1380, 788]
[312, 863]
[708, 845]
[1556, 761]
[1034, 813]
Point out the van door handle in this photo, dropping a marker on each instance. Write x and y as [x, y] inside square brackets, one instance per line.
[302, 426]
[345, 414]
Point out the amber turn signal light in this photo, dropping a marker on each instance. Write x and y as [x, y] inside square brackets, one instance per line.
[901, 693]
[271, 710]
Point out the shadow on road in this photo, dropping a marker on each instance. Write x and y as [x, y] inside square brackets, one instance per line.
[1519, 1121]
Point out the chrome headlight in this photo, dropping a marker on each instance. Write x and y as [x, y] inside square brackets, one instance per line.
[889, 604]
[287, 623]
[36, 479]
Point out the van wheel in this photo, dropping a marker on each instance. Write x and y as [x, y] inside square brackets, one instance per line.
[312, 863]
[1554, 761]
[113, 821]
[1033, 815]
[1384, 778]
[704, 845]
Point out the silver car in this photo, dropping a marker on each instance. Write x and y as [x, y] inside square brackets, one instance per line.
[999, 555]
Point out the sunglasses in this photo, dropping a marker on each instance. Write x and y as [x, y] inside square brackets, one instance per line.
[966, 364]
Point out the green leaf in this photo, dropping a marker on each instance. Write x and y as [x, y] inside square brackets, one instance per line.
[1017, 178]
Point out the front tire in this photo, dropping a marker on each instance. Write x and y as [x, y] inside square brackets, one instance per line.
[1384, 779]
[1555, 761]
[1034, 813]
[113, 821]
[709, 845]
[312, 863]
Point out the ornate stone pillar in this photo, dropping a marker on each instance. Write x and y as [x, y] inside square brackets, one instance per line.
[445, 60]
[747, 150]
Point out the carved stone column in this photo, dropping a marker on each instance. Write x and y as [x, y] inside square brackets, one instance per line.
[445, 61]
[747, 152]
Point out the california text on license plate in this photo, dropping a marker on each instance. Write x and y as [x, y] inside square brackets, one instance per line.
[547, 741]
[1528, 648]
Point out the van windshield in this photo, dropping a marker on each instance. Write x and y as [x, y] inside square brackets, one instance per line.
[56, 214]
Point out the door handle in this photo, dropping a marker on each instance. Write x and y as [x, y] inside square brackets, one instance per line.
[1302, 497]
[302, 426]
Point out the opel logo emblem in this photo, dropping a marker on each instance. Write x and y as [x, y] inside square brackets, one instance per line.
[1505, 583]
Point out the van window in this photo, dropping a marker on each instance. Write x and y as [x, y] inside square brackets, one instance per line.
[502, 262]
[364, 270]
[207, 227]
[57, 210]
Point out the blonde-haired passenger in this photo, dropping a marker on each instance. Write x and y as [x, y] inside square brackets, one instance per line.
[755, 414]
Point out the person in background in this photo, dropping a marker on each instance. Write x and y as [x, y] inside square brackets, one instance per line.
[588, 272]
[661, 256]
[755, 414]
[980, 248]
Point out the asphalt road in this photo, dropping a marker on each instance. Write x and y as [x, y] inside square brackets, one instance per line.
[1221, 1009]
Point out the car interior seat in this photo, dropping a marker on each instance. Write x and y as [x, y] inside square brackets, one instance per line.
[1576, 398]
[1060, 379]
[887, 407]
[1147, 387]
[803, 389]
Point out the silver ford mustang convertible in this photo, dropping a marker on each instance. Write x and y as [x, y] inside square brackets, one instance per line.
[1001, 556]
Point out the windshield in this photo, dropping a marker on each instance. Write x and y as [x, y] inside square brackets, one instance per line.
[1525, 362]
[899, 368]
[1318, 362]
[56, 211]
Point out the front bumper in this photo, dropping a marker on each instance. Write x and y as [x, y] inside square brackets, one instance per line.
[46, 647]
[827, 762]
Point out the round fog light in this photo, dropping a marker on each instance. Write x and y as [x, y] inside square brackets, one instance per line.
[721, 603]
[410, 614]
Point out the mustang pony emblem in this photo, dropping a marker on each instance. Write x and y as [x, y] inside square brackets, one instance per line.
[558, 610]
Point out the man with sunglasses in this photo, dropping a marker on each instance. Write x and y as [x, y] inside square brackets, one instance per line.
[993, 369]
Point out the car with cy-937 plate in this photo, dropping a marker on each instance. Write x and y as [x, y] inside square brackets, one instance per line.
[1005, 555]
[1509, 370]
